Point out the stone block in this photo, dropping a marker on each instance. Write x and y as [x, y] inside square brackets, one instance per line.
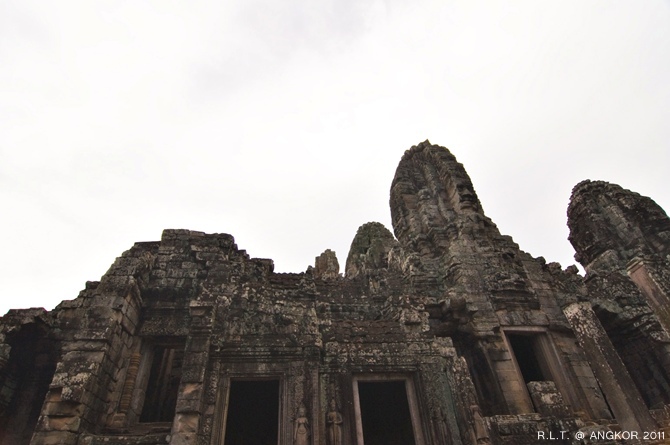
[59, 423]
[186, 423]
[184, 439]
[198, 345]
[54, 438]
[63, 409]
[191, 391]
[547, 399]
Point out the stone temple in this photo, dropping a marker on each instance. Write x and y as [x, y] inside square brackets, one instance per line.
[442, 332]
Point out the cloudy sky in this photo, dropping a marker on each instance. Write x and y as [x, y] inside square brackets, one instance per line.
[282, 122]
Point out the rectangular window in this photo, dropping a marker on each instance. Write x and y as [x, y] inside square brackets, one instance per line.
[160, 399]
[529, 357]
[252, 412]
[386, 411]
[536, 359]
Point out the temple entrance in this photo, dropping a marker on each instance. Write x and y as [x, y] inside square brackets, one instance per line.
[385, 413]
[252, 413]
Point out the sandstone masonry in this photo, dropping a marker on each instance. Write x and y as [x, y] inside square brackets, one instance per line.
[446, 333]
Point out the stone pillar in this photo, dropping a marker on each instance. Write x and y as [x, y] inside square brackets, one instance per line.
[646, 278]
[623, 397]
[436, 381]
[508, 376]
[189, 409]
[449, 392]
[303, 393]
[313, 371]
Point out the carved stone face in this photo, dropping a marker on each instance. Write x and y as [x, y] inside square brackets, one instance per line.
[468, 200]
[302, 411]
[333, 405]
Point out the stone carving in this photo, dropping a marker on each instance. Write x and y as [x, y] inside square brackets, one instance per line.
[441, 424]
[605, 217]
[369, 250]
[129, 384]
[301, 428]
[334, 424]
[326, 265]
[479, 427]
[613, 230]
[436, 303]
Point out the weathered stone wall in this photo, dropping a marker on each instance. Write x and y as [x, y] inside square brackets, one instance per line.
[490, 344]
[623, 240]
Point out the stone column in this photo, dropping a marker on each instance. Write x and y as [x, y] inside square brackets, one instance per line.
[622, 395]
[442, 406]
[299, 394]
[449, 392]
[189, 409]
[652, 286]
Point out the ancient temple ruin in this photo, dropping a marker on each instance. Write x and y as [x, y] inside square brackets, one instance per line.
[444, 334]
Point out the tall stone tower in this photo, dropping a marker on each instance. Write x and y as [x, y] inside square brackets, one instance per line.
[443, 332]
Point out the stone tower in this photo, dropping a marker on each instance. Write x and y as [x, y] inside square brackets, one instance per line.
[442, 333]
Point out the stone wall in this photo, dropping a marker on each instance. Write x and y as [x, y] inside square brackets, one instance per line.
[466, 338]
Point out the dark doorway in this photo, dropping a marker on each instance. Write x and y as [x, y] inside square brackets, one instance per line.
[525, 351]
[385, 413]
[253, 413]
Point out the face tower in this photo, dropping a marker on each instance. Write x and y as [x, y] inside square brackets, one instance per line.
[443, 332]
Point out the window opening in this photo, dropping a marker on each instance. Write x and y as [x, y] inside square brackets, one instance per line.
[253, 413]
[160, 400]
[525, 351]
[385, 413]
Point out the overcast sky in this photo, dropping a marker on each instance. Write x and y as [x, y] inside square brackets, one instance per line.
[282, 122]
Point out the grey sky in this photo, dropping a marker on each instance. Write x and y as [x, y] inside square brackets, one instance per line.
[282, 123]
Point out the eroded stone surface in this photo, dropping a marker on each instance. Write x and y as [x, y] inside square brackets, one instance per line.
[370, 250]
[326, 265]
[490, 344]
